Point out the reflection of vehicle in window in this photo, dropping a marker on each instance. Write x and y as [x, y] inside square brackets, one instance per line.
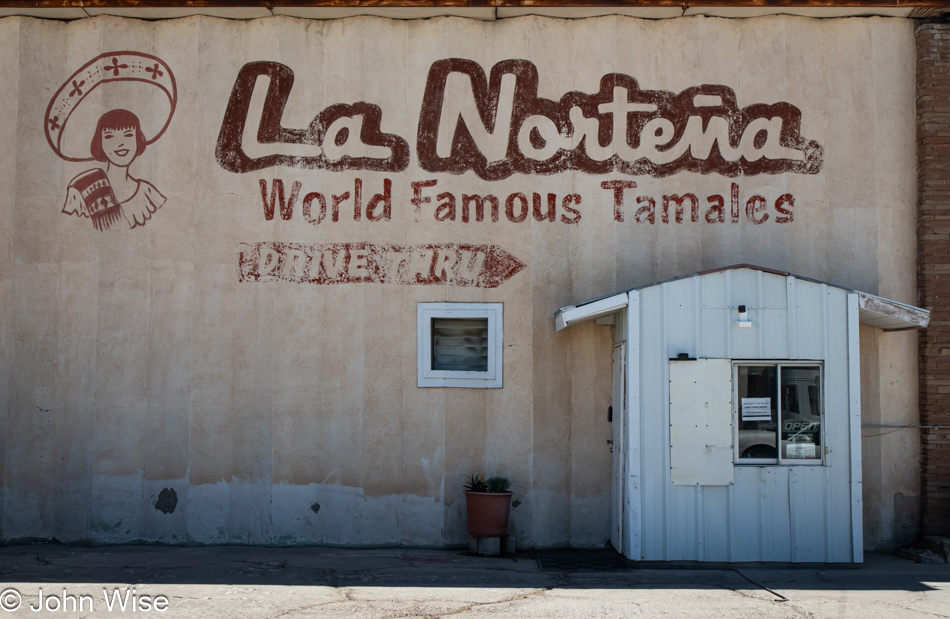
[801, 413]
[759, 443]
[790, 432]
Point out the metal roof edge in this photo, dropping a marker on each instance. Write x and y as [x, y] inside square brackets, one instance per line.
[915, 317]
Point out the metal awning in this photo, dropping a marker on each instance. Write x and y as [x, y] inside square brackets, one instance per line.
[872, 310]
[566, 316]
[890, 315]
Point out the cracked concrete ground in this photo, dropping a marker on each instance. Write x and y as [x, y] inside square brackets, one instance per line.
[267, 583]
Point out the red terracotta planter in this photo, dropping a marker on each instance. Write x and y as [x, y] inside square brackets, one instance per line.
[487, 513]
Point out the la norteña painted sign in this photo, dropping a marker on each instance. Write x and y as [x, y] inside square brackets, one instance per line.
[493, 124]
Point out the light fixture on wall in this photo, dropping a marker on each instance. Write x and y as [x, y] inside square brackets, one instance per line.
[743, 322]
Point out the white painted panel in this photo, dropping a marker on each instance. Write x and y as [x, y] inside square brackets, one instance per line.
[791, 324]
[715, 522]
[716, 325]
[701, 422]
[808, 500]
[682, 315]
[744, 288]
[701, 455]
[617, 435]
[654, 423]
[683, 541]
[746, 343]
[632, 433]
[756, 289]
[838, 419]
[772, 291]
[773, 336]
[776, 516]
[809, 317]
[760, 515]
[749, 287]
[770, 513]
[715, 290]
[854, 404]
[767, 338]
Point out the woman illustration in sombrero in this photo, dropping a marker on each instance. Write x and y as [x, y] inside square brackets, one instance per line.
[111, 197]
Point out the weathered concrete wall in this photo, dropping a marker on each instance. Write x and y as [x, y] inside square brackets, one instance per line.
[142, 360]
[891, 474]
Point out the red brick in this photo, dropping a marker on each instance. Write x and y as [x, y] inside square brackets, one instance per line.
[933, 275]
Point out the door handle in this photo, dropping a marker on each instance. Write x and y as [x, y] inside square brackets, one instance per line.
[610, 413]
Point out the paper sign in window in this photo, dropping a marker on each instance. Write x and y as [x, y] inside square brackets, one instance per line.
[801, 450]
[756, 409]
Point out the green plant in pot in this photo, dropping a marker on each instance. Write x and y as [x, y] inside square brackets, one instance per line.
[487, 505]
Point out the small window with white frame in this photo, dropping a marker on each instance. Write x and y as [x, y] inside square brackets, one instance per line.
[778, 412]
[459, 345]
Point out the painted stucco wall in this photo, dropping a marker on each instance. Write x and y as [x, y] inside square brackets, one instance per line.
[890, 456]
[282, 407]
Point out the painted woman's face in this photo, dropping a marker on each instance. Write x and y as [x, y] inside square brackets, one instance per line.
[119, 145]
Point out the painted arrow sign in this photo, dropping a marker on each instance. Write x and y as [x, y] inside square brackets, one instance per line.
[480, 266]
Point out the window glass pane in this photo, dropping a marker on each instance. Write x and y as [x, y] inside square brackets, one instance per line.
[801, 413]
[758, 413]
[460, 344]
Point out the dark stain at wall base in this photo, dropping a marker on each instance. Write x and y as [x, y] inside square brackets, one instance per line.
[906, 519]
[167, 501]
[516, 503]
[315, 508]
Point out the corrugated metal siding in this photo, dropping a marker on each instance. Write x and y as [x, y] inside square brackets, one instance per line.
[771, 513]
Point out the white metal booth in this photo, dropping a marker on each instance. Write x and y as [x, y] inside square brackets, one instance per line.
[738, 433]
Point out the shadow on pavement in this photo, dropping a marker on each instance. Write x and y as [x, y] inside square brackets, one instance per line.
[402, 567]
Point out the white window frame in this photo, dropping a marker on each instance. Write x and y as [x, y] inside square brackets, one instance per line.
[779, 460]
[490, 379]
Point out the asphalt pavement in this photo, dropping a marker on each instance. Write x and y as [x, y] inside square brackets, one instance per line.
[255, 582]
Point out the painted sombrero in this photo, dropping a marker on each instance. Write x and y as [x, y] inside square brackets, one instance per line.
[109, 68]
